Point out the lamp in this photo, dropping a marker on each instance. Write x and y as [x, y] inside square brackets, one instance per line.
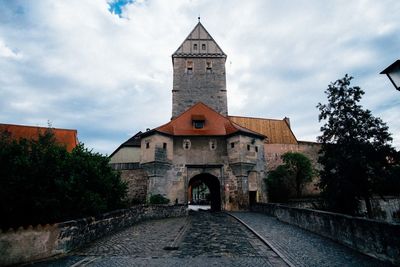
[393, 72]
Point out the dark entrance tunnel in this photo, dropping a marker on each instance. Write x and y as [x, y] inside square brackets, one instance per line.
[212, 183]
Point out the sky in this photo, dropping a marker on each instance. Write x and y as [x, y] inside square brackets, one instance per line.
[104, 67]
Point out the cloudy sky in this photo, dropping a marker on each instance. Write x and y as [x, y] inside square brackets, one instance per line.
[104, 67]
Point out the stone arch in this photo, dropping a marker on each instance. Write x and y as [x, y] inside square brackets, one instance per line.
[213, 185]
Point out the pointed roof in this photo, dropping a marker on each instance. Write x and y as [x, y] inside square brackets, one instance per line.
[214, 124]
[134, 141]
[66, 137]
[199, 37]
[278, 131]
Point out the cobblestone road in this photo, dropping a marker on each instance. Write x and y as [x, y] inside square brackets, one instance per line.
[302, 247]
[212, 239]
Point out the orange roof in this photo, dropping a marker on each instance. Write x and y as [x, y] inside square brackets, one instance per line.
[277, 131]
[63, 136]
[214, 123]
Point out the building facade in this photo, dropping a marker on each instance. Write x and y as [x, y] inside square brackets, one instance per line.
[202, 145]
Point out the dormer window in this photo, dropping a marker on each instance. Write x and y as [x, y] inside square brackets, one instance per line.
[198, 121]
[189, 67]
[194, 46]
[198, 124]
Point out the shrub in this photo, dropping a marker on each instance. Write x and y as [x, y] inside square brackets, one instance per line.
[42, 183]
[158, 199]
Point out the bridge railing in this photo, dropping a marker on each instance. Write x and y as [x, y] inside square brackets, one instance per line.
[378, 239]
[42, 241]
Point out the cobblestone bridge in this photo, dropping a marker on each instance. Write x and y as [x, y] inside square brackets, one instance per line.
[214, 239]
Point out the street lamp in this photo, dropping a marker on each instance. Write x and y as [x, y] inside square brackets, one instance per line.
[393, 72]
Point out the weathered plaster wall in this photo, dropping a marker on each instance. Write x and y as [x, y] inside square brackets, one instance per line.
[126, 155]
[377, 239]
[34, 243]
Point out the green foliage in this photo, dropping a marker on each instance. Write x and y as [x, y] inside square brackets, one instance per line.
[299, 169]
[158, 199]
[277, 185]
[288, 180]
[355, 153]
[42, 183]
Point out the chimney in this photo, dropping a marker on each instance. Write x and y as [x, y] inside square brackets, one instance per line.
[287, 120]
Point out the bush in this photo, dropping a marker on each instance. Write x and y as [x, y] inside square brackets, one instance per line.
[158, 199]
[42, 183]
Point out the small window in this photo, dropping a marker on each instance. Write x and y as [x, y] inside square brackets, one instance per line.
[189, 67]
[213, 144]
[248, 147]
[164, 145]
[232, 145]
[147, 144]
[198, 124]
[186, 144]
[208, 67]
[203, 47]
[256, 148]
[195, 47]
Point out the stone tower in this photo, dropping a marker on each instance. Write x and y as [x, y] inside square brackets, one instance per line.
[199, 73]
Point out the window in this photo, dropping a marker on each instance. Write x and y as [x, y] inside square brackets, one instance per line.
[248, 147]
[208, 67]
[195, 47]
[203, 47]
[198, 124]
[164, 145]
[256, 148]
[213, 144]
[189, 67]
[232, 145]
[147, 144]
[186, 144]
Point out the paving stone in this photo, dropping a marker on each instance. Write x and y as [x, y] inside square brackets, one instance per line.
[302, 247]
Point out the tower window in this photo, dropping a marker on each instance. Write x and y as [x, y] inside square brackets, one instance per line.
[208, 66]
[189, 67]
[203, 47]
[194, 46]
[256, 148]
[164, 146]
[232, 145]
[248, 147]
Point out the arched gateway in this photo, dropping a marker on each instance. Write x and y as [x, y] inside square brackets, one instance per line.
[214, 189]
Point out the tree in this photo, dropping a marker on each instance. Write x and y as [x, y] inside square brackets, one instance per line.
[355, 154]
[300, 170]
[291, 176]
[40, 182]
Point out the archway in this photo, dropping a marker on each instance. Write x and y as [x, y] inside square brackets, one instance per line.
[213, 195]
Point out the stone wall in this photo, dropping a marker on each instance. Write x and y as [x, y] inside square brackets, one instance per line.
[378, 239]
[39, 242]
[199, 85]
[137, 184]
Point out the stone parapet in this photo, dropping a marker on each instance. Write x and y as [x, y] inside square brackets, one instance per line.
[39, 242]
[378, 239]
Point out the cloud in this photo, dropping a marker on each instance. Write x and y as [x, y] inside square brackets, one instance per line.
[107, 71]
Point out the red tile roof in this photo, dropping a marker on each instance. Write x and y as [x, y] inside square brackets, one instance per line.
[215, 124]
[63, 136]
